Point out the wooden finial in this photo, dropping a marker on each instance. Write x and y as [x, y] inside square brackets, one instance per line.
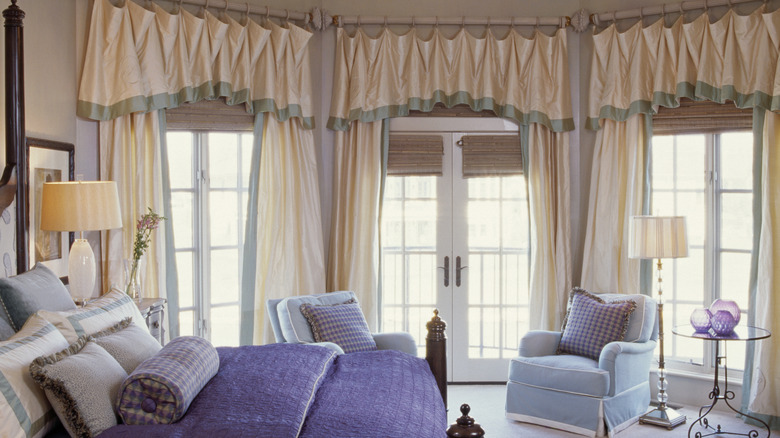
[465, 425]
[436, 327]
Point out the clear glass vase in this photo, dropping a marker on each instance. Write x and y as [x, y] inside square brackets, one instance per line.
[133, 270]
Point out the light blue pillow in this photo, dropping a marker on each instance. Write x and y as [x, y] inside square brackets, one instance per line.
[294, 326]
[31, 291]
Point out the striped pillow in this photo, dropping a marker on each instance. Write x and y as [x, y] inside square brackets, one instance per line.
[592, 323]
[342, 324]
[97, 315]
[24, 409]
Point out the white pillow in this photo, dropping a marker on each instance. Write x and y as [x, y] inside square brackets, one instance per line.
[97, 315]
[24, 409]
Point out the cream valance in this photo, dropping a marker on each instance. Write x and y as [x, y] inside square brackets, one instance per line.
[636, 71]
[139, 60]
[526, 80]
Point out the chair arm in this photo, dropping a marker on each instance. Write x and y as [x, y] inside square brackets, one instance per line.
[330, 345]
[539, 343]
[628, 364]
[400, 341]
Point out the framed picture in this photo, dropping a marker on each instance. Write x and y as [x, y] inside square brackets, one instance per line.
[48, 161]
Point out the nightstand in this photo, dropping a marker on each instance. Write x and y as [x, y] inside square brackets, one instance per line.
[153, 310]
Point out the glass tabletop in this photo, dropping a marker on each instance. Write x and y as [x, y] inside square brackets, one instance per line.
[740, 333]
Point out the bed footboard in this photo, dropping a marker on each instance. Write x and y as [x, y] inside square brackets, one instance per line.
[436, 352]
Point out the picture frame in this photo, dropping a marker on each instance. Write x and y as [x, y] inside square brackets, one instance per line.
[47, 161]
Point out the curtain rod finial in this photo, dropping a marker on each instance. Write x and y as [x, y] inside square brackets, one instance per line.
[581, 20]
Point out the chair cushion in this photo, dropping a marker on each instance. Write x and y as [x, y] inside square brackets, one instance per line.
[592, 323]
[642, 320]
[37, 289]
[568, 373]
[342, 324]
[294, 326]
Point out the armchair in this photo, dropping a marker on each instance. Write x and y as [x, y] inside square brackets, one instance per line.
[579, 394]
[289, 324]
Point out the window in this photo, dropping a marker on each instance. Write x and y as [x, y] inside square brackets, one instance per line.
[706, 177]
[209, 173]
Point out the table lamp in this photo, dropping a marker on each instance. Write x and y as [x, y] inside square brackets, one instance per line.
[80, 206]
[659, 237]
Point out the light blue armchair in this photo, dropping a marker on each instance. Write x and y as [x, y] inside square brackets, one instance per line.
[289, 324]
[579, 394]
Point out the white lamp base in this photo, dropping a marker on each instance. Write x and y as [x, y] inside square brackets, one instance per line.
[81, 270]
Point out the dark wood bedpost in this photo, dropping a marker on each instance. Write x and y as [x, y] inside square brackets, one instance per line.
[436, 352]
[15, 150]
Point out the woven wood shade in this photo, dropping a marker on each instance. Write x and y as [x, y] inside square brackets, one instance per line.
[704, 116]
[491, 155]
[210, 115]
[415, 155]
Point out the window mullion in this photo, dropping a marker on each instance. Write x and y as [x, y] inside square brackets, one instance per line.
[203, 236]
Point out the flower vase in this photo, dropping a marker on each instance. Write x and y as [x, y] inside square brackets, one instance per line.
[133, 269]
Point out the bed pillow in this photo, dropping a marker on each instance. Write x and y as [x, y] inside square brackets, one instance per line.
[161, 389]
[342, 324]
[24, 409]
[26, 293]
[97, 315]
[6, 331]
[294, 326]
[128, 344]
[592, 323]
[81, 383]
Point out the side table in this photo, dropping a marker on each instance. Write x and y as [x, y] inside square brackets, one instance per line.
[153, 311]
[740, 333]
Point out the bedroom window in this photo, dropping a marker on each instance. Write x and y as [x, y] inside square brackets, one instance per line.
[209, 173]
[706, 177]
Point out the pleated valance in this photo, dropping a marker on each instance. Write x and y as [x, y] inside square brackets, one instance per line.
[139, 60]
[526, 80]
[636, 71]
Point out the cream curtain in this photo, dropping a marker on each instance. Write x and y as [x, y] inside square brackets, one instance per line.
[138, 60]
[130, 154]
[386, 76]
[549, 200]
[354, 254]
[290, 255]
[617, 188]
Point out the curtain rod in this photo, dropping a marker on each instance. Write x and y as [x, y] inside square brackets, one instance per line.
[563, 21]
[669, 8]
[315, 17]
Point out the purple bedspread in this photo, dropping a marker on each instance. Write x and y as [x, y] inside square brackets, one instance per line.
[286, 390]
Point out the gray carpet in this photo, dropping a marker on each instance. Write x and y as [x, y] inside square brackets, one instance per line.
[487, 408]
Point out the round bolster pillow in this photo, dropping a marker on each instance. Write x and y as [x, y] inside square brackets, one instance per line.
[161, 389]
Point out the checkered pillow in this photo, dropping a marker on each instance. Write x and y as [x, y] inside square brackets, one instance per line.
[592, 323]
[342, 324]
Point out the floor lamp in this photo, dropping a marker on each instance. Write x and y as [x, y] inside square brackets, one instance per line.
[659, 237]
[80, 206]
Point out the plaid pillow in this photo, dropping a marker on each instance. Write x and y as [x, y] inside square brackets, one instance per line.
[342, 324]
[592, 323]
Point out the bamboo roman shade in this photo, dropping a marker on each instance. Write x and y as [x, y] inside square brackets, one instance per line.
[210, 115]
[491, 155]
[415, 155]
[703, 116]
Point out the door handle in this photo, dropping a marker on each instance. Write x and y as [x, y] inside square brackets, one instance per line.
[446, 268]
[458, 268]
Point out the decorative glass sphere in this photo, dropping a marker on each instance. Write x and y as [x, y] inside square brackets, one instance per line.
[729, 305]
[663, 397]
[661, 373]
[663, 384]
[700, 319]
[723, 322]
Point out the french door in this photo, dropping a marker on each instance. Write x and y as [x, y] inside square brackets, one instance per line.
[460, 245]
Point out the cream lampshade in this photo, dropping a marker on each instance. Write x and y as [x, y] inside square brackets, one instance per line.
[80, 206]
[659, 237]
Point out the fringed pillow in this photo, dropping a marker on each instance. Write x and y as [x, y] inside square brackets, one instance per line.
[592, 323]
[342, 324]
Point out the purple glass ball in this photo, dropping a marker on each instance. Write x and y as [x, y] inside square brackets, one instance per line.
[723, 322]
[728, 305]
[700, 319]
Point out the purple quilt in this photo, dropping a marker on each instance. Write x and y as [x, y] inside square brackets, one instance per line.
[287, 390]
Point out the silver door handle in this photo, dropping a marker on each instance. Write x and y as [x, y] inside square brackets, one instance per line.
[446, 268]
[458, 268]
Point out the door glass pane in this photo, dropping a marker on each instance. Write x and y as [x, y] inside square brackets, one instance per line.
[736, 157]
[180, 159]
[184, 271]
[223, 160]
[224, 326]
[182, 211]
[224, 211]
[224, 270]
[736, 221]
[186, 323]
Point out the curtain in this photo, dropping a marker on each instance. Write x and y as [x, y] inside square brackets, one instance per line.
[353, 260]
[617, 192]
[289, 255]
[130, 154]
[548, 196]
[761, 384]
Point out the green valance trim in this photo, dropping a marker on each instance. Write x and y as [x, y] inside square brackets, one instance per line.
[207, 90]
[458, 98]
[700, 91]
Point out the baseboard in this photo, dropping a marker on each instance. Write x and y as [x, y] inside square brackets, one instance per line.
[476, 383]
